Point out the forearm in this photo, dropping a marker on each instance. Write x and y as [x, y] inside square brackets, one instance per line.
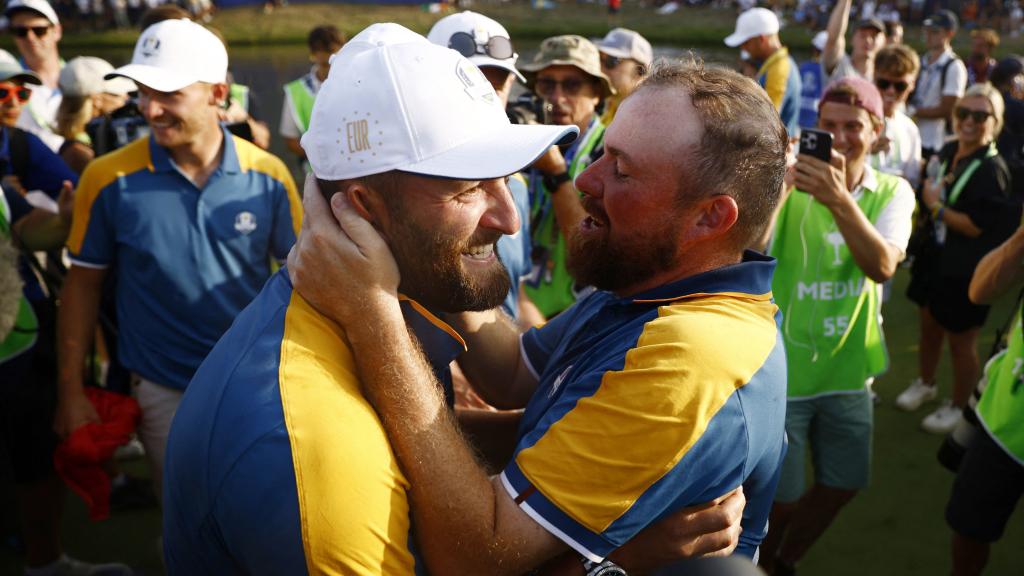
[493, 361]
[874, 255]
[454, 504]
[76, 324]
[836, 43]
[294, 147]
[960, 223]
[943, 110]
[999, 270]
[569, 210]
[260, 133]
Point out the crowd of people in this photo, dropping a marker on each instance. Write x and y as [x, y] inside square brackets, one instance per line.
[496, 335]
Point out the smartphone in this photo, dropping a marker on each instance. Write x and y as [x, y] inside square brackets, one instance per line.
[817, 143]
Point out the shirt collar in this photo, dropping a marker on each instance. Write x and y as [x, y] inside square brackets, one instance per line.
[780, 53]
[868, 182]
[161, 158]
[440, 342]
[752, 278]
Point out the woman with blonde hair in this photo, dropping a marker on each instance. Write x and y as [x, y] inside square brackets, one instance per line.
[967, 210]
[86, 96]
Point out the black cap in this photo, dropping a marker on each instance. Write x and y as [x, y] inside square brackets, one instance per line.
[1006, 70]
[943, 19]
[873, 23]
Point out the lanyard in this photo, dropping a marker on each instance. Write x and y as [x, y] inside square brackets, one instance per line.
[965, 176]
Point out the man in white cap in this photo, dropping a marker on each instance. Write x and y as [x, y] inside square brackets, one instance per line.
[757, 32]
[626, 57]
[190, 219]
[304, 478]
[37, 31]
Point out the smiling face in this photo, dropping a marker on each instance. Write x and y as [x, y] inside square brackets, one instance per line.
[442, 233]
[969, 130]
[33, 46]
[634, 220]
[853, 132]
[14, 96]
[894, 89]
[181, 118]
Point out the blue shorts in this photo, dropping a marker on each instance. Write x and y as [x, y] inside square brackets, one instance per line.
[838, 428]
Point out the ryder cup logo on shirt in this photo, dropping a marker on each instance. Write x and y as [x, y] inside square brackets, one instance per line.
[477, 86]
[245, 223]
[150, 46]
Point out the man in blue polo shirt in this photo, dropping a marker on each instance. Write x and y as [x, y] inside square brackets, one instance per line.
[191, 218]
[638, 400]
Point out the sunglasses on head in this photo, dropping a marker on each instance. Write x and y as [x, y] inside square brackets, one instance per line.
[22, 31]
[10, 92]
[497, 47]
[570, 86]
[884, 85]
[978, 116]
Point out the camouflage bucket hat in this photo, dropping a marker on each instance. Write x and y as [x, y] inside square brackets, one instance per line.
[568, 50]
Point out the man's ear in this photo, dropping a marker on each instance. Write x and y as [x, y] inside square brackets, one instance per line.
[718, 215]
[219, 94]
[369, 205]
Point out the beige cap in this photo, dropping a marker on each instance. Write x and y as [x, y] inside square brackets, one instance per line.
[568, 50]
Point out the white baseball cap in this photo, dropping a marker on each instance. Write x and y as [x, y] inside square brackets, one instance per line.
[482, 29]
[819, 41]
[173, 54]
[41, 6]
[84, 76]
[395, 101]
[625, 43]
[753, 22]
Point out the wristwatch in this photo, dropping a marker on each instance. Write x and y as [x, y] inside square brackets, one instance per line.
[606, 568]
[553, 181]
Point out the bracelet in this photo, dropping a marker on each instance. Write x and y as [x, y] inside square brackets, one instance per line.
[553, 181]
[606, 568]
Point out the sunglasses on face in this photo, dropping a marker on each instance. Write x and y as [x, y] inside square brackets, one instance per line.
[570, 86]
[12, 92]
[978, 116]
[497, 47]
[22, 31]
[610, 62]
[884, 85]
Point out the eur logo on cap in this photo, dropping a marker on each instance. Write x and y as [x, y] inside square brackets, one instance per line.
[359, 134]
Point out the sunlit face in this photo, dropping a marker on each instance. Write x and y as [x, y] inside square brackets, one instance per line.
[180, 118]
[443, 233]
[105, 102]
[895, 90]
[969, 130]
[42, 36]
[624, 73]
[853, 132]
[867, 42]
[572, 93]
[631, 193]
[13, 96]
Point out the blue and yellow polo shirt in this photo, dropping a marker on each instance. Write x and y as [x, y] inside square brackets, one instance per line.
[652, 403]
[188, 260]
[276, 463]
[780, 77]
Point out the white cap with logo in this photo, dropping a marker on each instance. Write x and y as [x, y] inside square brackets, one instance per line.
[41, 6]
[753, 22]
[626, 43]
[173, 54]
[395, 101]
[481, 29]
[84, 76]
[819, 41]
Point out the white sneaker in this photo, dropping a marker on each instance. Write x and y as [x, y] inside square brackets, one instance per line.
[916, 394]
[67, 566]
[943, 420]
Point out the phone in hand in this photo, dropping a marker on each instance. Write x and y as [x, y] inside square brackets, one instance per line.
[817, 143]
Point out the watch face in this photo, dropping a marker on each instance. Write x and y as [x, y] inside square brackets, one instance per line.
[611, 570]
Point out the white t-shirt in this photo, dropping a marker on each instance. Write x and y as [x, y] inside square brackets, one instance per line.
[844, 69]
[904, 155]
[895, 222]
[289, 128]
[39, 115]
[929, 94]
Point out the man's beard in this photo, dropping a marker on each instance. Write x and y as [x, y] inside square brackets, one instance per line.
[432, 272]
[593, 260]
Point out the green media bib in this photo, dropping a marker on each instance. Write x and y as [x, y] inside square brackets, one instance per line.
[1001, 408]
[301, 102]
[830, 308]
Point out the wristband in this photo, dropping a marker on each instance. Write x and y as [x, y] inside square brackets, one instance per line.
[552, 182]
[606, 568]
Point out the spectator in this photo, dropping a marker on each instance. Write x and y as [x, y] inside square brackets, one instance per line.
[966, 210]
[300, 94]
[893, 32]
[757, 33]
[812, 82]
[626, 56]
[941, 82]
[990, 479]
[566, 74]
[898, 151]
[984, 41]
[37, 31]
[839, 235]
[86, 96]
[868, 39]
[1008, 78]
[190, 217]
